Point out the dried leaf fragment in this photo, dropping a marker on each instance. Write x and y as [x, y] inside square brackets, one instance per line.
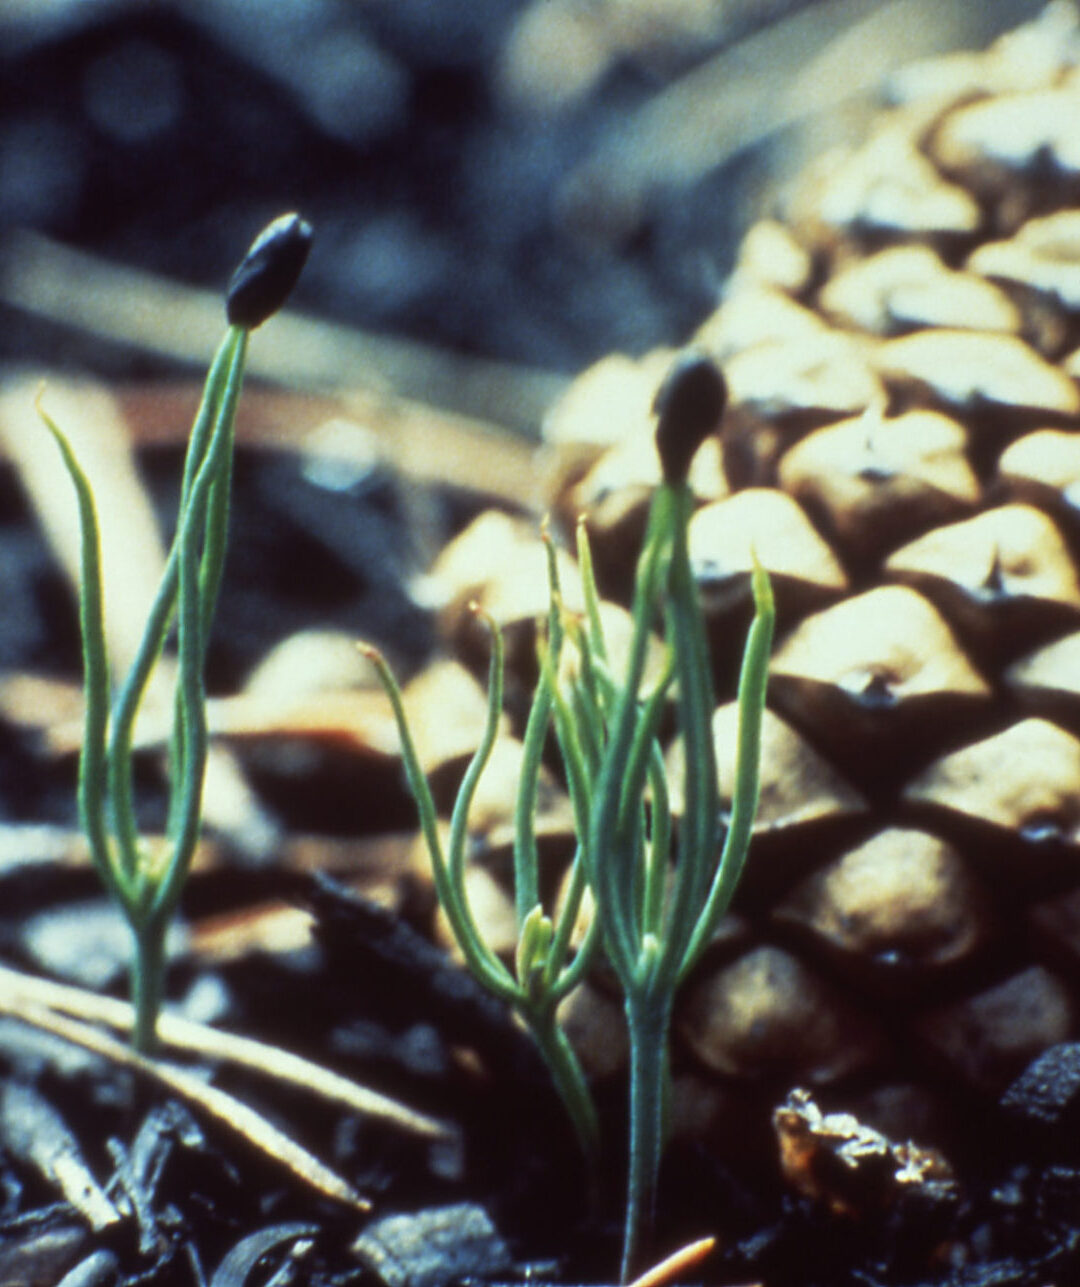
[835, 1159]
[33, 1130]
[245, 1255]
[433, 1246]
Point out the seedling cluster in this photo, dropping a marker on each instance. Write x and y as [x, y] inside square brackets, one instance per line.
[656, 902]
[653, 915]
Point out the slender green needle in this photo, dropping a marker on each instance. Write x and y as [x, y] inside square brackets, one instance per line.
[753, 680]
[207, 415]
[612, 845]
[467, 931]
[126, 708]
[487, 968]
[200, 571]
[642, 749]
[92, 760]
[588, 723]
[699, 830]
[526, 859]
[570, 1081]
[568, 977]
[588, 585]
[659, 849]
[567, 919]
[573, 757]
[217, 520]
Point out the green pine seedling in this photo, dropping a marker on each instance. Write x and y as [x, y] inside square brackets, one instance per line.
[545, 968]
[654, 917]
[146, 880]
[657, 917]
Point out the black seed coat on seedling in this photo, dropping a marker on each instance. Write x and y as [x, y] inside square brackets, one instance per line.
[689, 403]
[268, 272]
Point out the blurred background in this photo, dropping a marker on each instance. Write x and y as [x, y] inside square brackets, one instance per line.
[534, 182]
[503, 191]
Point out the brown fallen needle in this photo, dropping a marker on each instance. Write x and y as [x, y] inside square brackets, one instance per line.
[49, 1007]
[224, 1108]
[671, 1267]
[23, 994]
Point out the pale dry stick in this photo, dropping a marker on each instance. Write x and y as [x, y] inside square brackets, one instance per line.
[34, 1132]
[21, 994]
[224, 1108]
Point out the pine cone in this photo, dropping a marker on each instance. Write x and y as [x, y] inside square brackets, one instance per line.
[901, 347]
[901, 344]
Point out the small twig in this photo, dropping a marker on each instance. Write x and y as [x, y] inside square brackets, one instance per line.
[31, 1129]
[223, 1107]
[22, 995]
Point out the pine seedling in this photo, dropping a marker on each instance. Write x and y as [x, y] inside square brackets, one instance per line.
[657, 916]
[146, 878]
[546, 968]
[653, 916]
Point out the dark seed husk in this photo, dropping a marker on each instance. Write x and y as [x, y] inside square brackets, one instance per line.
[268, 272]
[689, 404]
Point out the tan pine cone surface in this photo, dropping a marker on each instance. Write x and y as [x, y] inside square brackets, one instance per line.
[902, 346]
